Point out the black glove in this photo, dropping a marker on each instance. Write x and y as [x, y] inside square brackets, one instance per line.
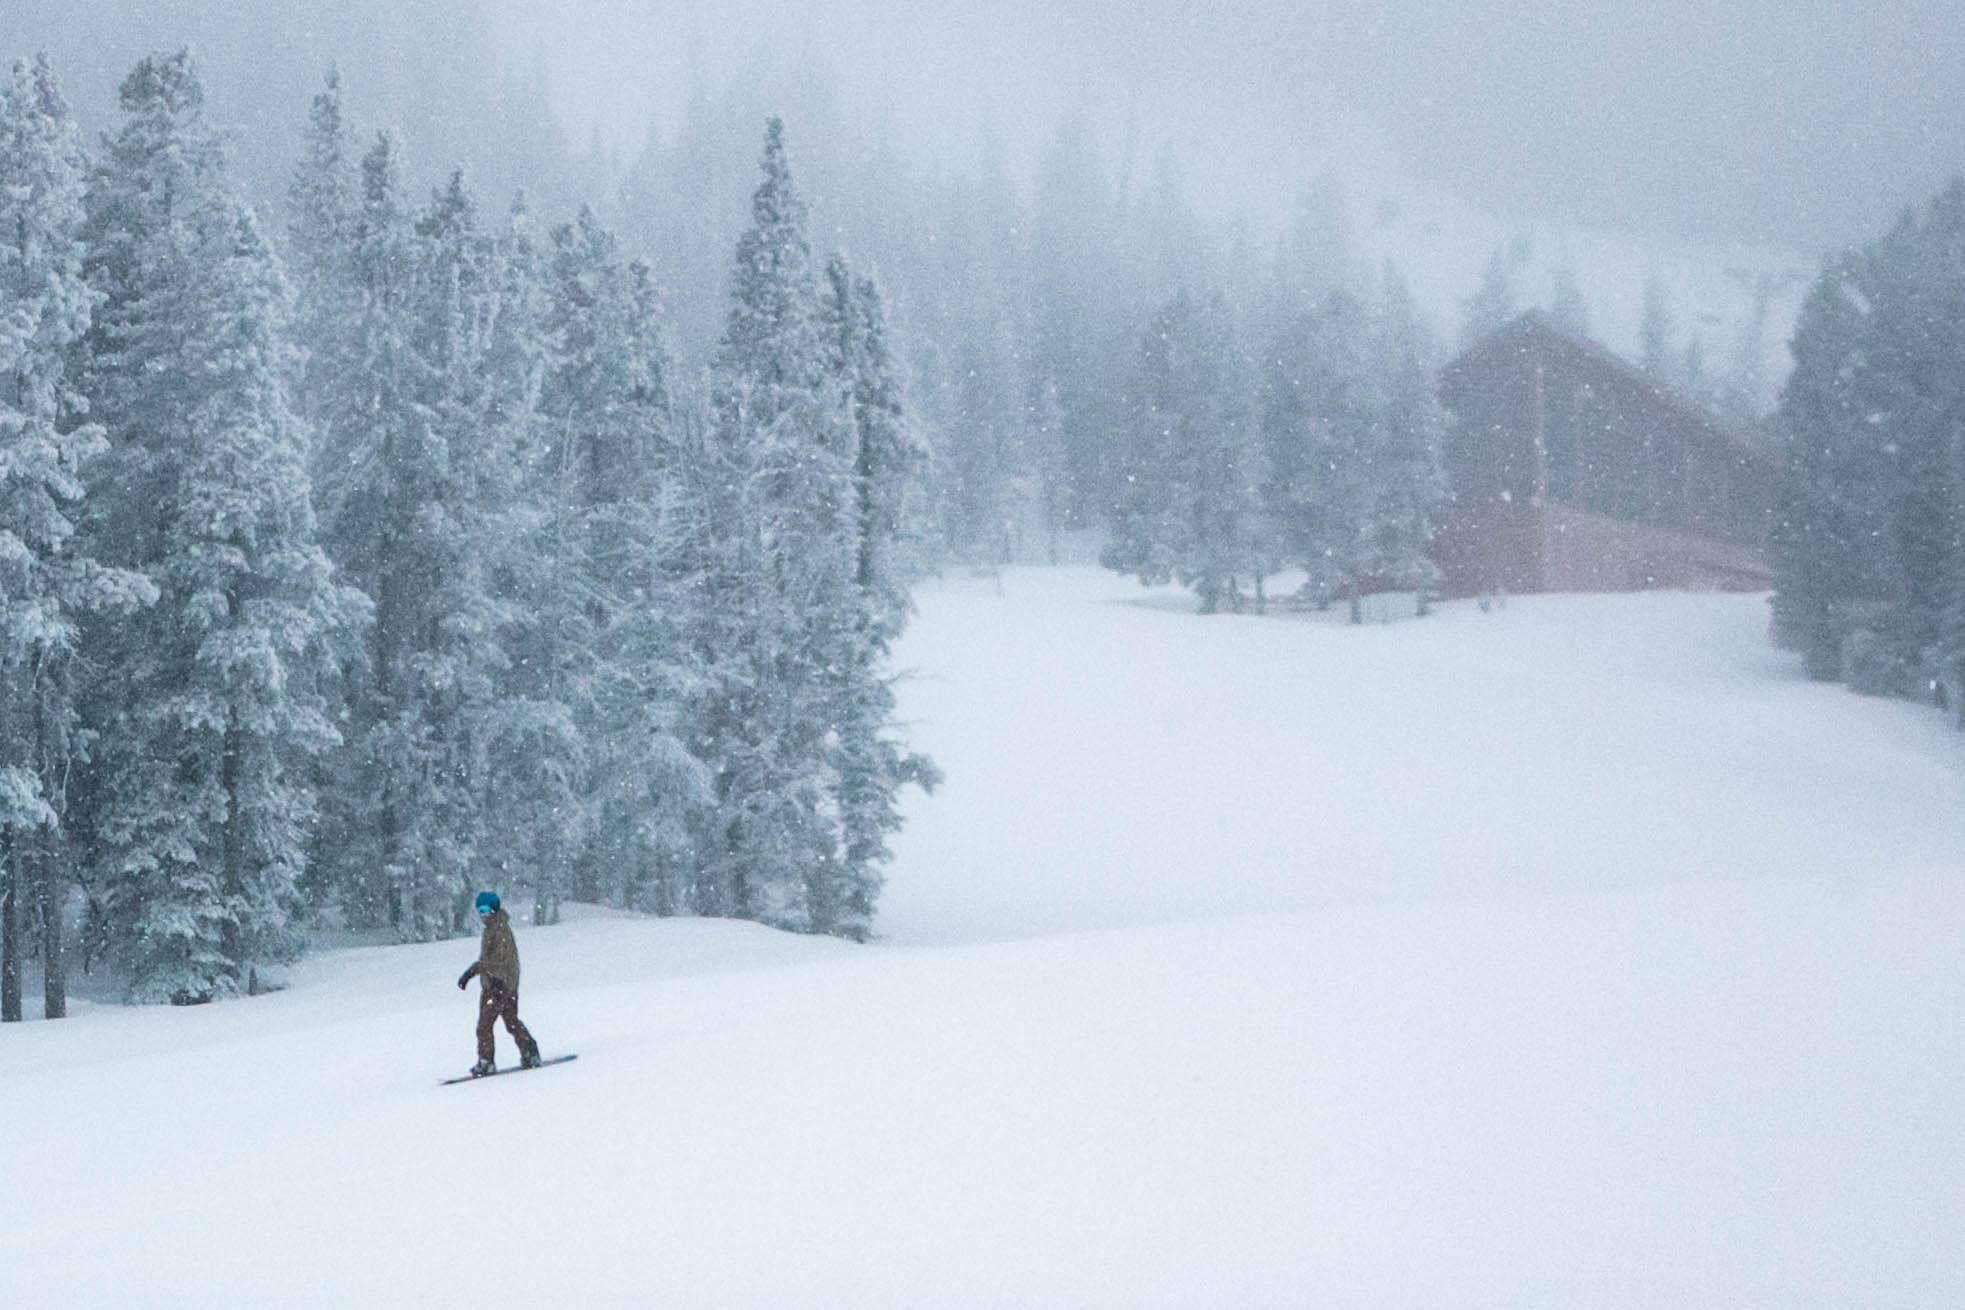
[464, 979]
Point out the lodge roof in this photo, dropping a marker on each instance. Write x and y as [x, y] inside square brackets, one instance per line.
[1533, 332]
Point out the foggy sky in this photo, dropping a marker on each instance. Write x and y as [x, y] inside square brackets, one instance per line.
[1793, 123]
[1796, 123]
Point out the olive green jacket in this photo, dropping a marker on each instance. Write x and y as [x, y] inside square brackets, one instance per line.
[498, 956]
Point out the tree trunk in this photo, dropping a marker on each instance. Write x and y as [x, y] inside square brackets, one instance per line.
[1050, 522]
[49, 888]
[9, 935]
[54, 968]
[232, 935]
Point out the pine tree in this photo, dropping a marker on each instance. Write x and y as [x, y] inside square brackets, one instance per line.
[1493, 302]
[1690, 378]
[1410, 479]
[1945, 310]
[977, 375]
[1045, 450]
[1289, 396]
[440, 612]
[47, 584]
[212, 698]
[869, 765]
[1146, 526]
[323, 205]
[324, 209]
[653, 793]
[1073, 286]
[364, 385]
[1229, 532]
[778, 567]
[534, 761]
[423, 432]
[1822, 518]
[1325, 432]
[1915, 404]
[887, 453]
[611, 609]
[1317, 247]
[1655, 331]
[1567, 309]
[1191, 505]
[1742, 396]
[1352, 434]
[1868, 553]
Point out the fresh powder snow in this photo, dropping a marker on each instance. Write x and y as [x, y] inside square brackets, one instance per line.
[1575, 952]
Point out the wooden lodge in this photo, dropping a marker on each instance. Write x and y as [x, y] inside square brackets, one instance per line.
[1570, 470]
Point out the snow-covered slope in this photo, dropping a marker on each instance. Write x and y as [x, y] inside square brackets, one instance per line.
[1442, 245]
[1115, 759]
[1574, 954]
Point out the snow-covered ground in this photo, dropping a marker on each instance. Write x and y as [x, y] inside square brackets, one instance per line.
[1573, 954]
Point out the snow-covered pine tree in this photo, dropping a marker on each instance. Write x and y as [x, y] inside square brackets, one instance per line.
[422, 428]
[1145, 530]
[1822, 517]
[1191, 503]
[1407, 469]
[1287, 397]
[778, 570]
[446, 510]
[981, 420]
[1316, 253]
[1944, 311]
[47, 584]
[1043, 446]
[211, 699]
[1867, 549]
[1324, 412]
[1567, 309]
[870, 765]
[605, 624]
[536, 816]
[1914, 405]
[323, 205]
[1690, 377]
[968, 380]
[888, 454]
[1655, 330]
[1229, 536]
[1742, 394]
[363, 385]
[1352, 435]
[323, 209]
[1074, 287]
[655, 794]
[1493, 302]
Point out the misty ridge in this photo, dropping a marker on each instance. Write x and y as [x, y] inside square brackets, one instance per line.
[1721, 155]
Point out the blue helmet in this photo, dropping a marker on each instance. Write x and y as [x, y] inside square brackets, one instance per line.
[487, 902]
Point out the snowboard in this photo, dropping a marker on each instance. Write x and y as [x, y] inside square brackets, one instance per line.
[500, 1073]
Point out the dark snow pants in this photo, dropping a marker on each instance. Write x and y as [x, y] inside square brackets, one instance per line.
[495, 1003]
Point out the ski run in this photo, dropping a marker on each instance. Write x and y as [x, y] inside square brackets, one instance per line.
[1578, 952]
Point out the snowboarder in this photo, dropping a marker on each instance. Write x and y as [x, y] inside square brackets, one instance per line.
[497, 971]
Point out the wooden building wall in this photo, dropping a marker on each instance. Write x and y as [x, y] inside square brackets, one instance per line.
[1571, 471]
